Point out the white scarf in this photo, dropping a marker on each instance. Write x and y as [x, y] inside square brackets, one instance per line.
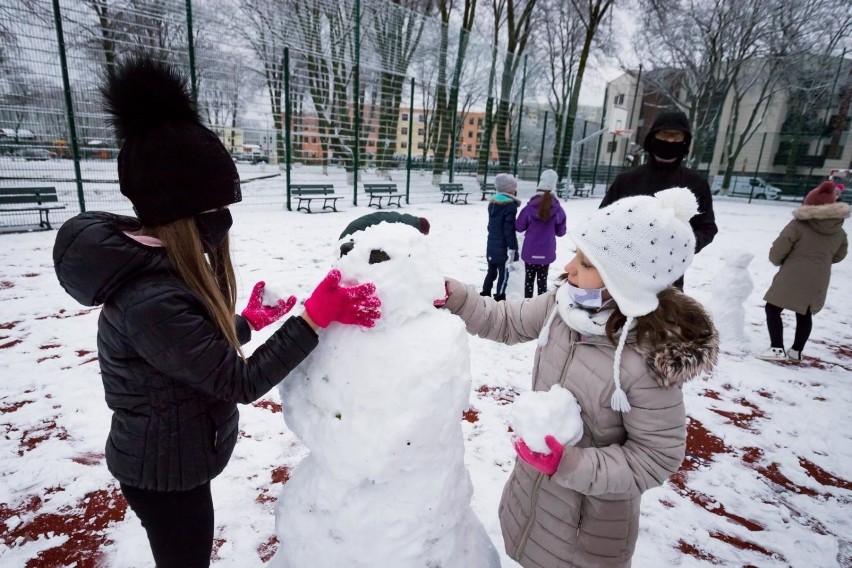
[590, 323]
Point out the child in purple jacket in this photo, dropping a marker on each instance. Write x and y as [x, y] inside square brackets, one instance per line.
[542, 219]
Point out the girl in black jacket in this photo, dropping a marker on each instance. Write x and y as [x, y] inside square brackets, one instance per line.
[169, 344]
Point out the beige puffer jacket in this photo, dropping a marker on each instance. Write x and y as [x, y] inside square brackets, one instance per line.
[805, 251]
[587, 513]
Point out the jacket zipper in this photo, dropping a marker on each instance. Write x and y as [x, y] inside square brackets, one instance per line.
[534, 496]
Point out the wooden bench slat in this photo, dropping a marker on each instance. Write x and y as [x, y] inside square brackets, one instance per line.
[307, 192]
[379, 191]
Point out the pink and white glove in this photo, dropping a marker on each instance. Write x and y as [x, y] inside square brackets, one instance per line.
[330, 302]
[545, 463]
[259, 315]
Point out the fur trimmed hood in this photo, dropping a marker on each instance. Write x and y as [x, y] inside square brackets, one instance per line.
[676, 363]
[837, 210]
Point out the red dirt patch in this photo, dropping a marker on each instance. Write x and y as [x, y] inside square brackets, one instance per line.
[281, 474]
[267, 550]
[36, 436]
[471, 415]
[739, 419]
[10, 344]
[49, 346]
[737, 542]
[823, 477]
[6, 284]
[710, 504]
[752, 456]
[701, 446]
[9, 324]
[765, 394]
[90, 458]
[269, 405]
[711, 394]
[84, 524]
[502, 395]
[62, 315]
[31, 274]
[14, 406]
[696, 552]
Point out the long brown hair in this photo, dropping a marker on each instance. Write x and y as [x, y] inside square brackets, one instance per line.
[544, 205]
[214, 281]
[678, 319]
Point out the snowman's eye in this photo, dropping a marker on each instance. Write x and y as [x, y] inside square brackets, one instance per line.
[346, 248]
[377, 256]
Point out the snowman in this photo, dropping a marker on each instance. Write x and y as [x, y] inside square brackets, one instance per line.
[380, 409]
[731, 287]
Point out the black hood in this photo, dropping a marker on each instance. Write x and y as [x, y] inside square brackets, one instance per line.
[93, 257]
[669, 121]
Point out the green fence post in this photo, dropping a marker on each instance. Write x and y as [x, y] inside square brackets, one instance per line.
[600, 143]
[520, 116]
[356, 81]
[582, 147]
[191, 47]
[288, 126]
[486, 137]
[757, 166]
[69, 105]
[410, 133]
[541, 152]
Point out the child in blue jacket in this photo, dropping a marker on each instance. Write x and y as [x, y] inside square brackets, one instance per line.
[502, 243]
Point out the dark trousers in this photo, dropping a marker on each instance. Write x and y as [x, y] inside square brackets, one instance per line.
[495, 270]
[179, 524]
[535, 274]
[804, 324]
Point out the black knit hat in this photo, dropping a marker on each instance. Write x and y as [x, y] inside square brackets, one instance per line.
[170, 165]
[675, 120]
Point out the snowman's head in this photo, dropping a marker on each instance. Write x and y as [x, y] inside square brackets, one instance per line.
[398, 260]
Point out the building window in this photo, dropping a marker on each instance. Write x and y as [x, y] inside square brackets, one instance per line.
[403, 145]
[611, 147]
[469, 148]
[619, 99]
[469, 134]
[420, 145]
[479, 122]
[421, 131]
[421, 118]
[403, 130]
[403, 117]
[470, 122]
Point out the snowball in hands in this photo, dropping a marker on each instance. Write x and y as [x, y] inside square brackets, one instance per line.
[536, 414]
[380, 409]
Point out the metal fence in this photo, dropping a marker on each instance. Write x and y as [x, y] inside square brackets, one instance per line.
[299, 92]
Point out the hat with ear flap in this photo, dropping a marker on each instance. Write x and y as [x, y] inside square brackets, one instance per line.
[823, 194]
[639, 245]
[170, 165]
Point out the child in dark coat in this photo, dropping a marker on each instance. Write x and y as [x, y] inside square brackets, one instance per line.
[502, 245]
[542, 219]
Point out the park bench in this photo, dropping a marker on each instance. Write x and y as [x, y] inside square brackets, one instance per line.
[453, 192]
[580, 190]
[379, 191]
[308, 192]
[41, 199]
[487, 190]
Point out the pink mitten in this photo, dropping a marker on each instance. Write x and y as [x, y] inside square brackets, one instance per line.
[352, 306]
[258, 315]
[441, 302]
[545, 463]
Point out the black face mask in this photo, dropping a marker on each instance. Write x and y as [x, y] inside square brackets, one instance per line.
[213, 228]
[665, 150]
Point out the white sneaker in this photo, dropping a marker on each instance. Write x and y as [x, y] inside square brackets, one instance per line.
[794, 355]
[773, 354]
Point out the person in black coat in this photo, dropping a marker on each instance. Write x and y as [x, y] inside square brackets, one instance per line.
[169, 343]
[667, 143]
[502, 244]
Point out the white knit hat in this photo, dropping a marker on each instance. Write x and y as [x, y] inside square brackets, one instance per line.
[548, 181]
[640, 245]
[505, 183]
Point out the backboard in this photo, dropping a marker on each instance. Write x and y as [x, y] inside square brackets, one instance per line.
[617, 120]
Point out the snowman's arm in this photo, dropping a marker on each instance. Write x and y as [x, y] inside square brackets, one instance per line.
[654, 448]
[508, 322]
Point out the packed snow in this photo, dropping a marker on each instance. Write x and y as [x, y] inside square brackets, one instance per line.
[767, 480]
[538, 414]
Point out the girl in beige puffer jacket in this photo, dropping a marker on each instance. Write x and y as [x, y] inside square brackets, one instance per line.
[623, 342]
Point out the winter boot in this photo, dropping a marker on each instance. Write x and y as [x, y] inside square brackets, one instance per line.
[773, 354]
[793, 355]
[486, 294]
[500, 297]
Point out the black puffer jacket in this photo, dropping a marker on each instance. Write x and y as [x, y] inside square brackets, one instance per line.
[170, 377]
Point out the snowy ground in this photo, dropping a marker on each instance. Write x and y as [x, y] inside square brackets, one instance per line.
[766, 482]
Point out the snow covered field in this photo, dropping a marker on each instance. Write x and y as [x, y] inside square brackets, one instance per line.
[768, 475]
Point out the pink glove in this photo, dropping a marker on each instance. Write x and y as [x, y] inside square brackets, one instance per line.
[352, 306]
[441, 302]
[258, 315]
[545, 463]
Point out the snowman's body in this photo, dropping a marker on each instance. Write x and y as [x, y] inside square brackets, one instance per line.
[385, 484]
[731, 287]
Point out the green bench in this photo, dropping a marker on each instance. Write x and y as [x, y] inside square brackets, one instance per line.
[453, 192]
[379, 191]
[487, 190]
[308, 192]
[21, 199]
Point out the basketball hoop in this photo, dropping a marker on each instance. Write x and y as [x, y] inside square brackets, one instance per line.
[623, 132]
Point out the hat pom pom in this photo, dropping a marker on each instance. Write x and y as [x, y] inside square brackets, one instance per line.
[681, 201]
